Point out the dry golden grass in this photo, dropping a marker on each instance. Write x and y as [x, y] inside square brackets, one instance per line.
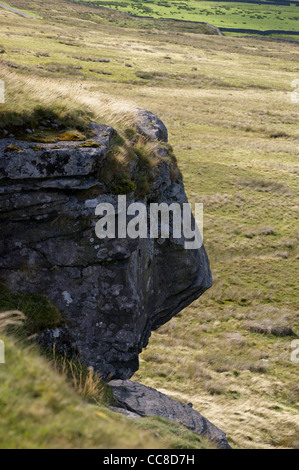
[10, 318]
[250, 420]
[270, 327]
[86, 382]
[23, 93]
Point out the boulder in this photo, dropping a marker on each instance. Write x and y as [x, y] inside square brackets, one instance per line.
[112, 292]
[146, 401]
[151, 126]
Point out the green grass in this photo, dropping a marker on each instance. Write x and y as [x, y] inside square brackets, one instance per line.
[222, 14]
[41, 410]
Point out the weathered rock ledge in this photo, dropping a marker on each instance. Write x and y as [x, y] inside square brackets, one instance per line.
[136, 399]
[113, 292]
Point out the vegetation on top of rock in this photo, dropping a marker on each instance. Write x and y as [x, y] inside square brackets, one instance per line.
[17, 116]
[122, 186]
[71, 135]
[12, 148]
[133, 162]
[90, 143]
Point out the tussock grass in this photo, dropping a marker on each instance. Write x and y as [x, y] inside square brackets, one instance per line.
[267, 327]
[85, 381]
[39, 409]
[132, 164]
[264, 185]
[10, 318]
[34, 101]
[60, 405]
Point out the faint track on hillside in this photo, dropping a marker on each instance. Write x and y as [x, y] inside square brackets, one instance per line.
[17, 11]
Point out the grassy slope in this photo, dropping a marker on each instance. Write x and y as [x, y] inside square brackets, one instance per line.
[40, 410]
[21, 10]
[227, 105]
[221, 14]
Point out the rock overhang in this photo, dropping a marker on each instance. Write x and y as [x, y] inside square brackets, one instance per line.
[113, 292]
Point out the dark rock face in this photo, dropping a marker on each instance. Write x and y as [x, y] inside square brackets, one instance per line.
[146, 401]
[113, 292]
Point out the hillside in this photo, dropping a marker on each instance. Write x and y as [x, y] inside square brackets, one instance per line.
[227, 105]
[245, 17]
[42, 409]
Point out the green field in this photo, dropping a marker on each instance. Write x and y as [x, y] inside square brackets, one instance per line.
[221, 14]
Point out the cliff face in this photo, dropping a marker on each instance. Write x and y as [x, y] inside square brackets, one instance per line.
[113, 292]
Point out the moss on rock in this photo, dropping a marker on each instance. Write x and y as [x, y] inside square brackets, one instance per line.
[40, 312]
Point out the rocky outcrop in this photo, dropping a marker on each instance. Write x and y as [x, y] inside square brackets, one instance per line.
[113, 292]
[146, 401]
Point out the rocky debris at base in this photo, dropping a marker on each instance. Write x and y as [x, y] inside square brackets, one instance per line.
[123, 411]
[147, 401]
